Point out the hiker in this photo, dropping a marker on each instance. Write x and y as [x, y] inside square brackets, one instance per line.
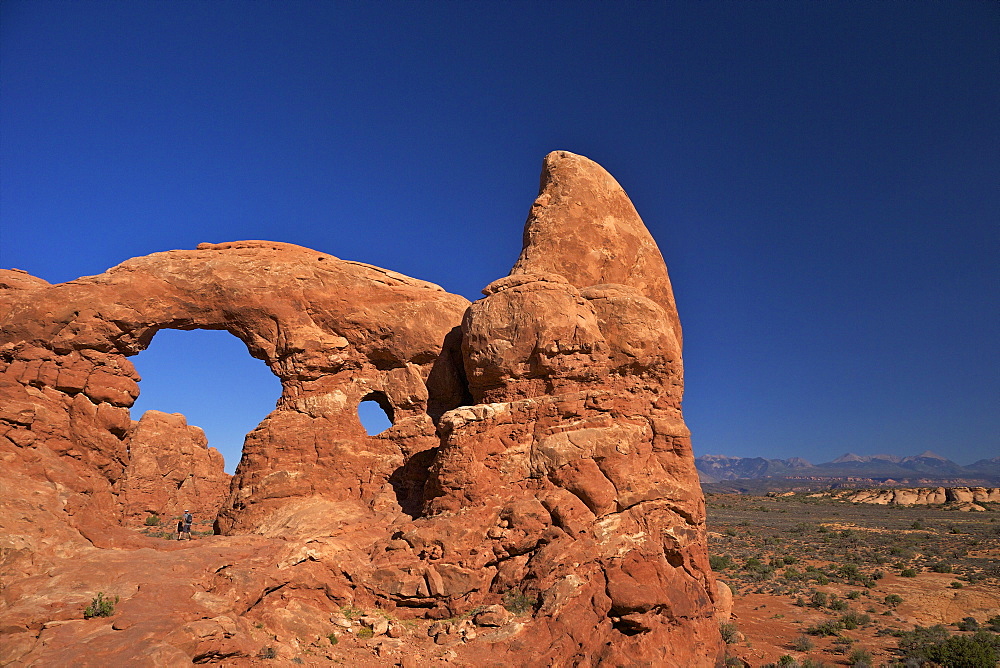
[187, 519]
[180, 528]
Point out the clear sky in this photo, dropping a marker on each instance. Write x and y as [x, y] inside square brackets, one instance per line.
[823, 179]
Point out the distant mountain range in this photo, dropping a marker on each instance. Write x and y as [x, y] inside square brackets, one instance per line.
[926, 467]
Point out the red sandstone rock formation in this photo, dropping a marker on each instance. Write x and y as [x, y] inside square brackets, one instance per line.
[171, 469]
[538, 455]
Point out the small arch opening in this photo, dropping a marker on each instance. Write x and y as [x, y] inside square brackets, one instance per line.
[376, 413]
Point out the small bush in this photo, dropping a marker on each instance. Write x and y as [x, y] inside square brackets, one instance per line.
[819, 599]
[267, 653]
[849, 571]
[728, 631]
[892, 600]
[838, 604]
[757, 570]
[853, 620]
[860, 658]
[364, 632]
[100, 606]
[719, 562]
[827, 628]
[518, 602]
[803, 644]
[350, 612]
[332, 637]
[941, 567]
[968, 624]
[908, 573]
[153, 520]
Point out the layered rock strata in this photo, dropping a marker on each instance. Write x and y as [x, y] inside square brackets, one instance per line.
[538, 456]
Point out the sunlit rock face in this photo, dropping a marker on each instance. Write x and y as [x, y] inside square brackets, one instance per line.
[538, 450]
[170, 470]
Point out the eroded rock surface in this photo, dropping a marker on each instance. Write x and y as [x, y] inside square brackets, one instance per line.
[538, 476]
[171, 469]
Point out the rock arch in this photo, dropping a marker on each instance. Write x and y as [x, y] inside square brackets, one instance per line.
[332, 331]
[538, 444]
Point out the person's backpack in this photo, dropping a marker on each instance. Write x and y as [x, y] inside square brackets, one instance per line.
[188, 518]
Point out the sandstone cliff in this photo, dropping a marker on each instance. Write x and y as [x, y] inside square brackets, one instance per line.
[538, 457]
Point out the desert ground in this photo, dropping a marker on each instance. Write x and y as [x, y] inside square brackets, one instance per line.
[821, 582]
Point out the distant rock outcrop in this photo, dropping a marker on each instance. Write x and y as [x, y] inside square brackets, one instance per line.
[171, 469]
[966, 498]
[538, 457]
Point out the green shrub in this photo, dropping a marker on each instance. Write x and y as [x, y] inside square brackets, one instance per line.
[757, 570]
[332, 637]
[892, 600]
[968, 624]
[153, 520]
[860, 658]
[941, 567]
[803, 644]
[811, 663]
[518, 602]
[838, 604]
[849, 571]
[853, 620]
[827, 628]
[936, 645]
[729, 632]
[720, 562]
[908, 573]
[365, 632]
[100, 606]
[819, 599]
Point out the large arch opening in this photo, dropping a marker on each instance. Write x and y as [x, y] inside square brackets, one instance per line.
[209, 376]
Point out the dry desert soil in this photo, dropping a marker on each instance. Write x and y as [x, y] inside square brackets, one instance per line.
[823, 582]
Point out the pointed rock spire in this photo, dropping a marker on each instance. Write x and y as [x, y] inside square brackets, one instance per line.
[583, 226]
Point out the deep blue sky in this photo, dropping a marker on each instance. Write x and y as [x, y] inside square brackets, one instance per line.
[823, 179]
